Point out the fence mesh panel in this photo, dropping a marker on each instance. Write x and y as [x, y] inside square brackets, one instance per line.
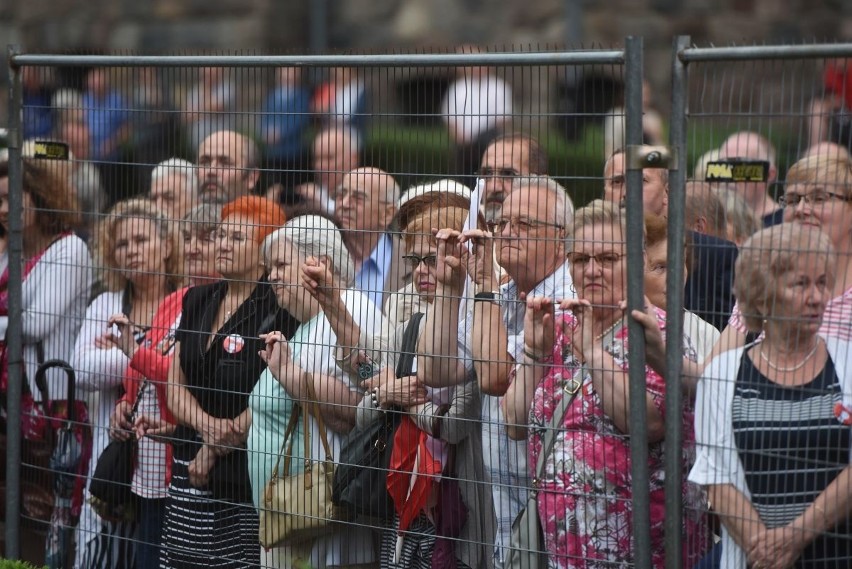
[336, 312]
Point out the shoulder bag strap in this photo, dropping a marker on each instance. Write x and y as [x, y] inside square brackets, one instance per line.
[408, 350]
[288, 436]
[314, 410]
[571, 389]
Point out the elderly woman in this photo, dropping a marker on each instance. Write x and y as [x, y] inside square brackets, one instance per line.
[210, 520]
[818, 194]
[309, 353]
[773, 418]
[441, 435]
[137, 256]
[699, 335]
[585, 496]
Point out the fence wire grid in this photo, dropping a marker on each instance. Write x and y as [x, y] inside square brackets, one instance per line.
[367, 311]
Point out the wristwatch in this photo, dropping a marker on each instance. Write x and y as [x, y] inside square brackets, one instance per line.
[493, 296]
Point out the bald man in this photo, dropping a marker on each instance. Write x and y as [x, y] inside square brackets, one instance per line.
[365, 204]
[752, 146]
[227, 167]
[336, 151]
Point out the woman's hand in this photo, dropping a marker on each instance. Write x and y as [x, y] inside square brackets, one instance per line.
[400, 391]
[277, 354]
[124, 340]
[120, 427]
[199, 468]
[539, 327]
[777, 548]
[582, 336]
[655, 345]
[318, 277]
[154, 428]
[219, 435]
[450, 271]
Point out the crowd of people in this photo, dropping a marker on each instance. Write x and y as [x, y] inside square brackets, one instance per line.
[201, 317]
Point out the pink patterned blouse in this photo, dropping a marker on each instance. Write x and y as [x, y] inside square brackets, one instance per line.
[585, 499]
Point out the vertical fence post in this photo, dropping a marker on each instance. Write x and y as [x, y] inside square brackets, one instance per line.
[674, 312]
[13, 332]
[635, 300]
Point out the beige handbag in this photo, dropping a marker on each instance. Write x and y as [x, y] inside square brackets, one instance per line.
[298, 508]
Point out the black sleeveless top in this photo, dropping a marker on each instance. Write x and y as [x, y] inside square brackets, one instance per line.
[222, 377]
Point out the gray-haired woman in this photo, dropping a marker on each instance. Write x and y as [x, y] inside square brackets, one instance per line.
[309, 354]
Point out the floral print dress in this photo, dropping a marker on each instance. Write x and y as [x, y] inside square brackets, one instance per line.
[585, 499]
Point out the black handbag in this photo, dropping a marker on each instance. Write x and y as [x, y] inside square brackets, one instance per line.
[109, 490]
[360, 479]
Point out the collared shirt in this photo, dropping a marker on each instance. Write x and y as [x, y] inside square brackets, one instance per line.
[506, 459]
[370, 278]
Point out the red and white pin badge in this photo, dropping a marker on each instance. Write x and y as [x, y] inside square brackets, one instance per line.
[843, 413]
[233, 343]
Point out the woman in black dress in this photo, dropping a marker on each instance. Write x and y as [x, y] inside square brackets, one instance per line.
[210, 519]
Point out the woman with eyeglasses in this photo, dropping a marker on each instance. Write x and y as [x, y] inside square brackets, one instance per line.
[585, 497]
[210, 520]
[440, 433]
[818, 194]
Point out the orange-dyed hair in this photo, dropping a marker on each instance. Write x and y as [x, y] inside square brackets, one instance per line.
[266, 214]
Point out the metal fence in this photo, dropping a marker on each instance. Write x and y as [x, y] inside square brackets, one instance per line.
[308, 123]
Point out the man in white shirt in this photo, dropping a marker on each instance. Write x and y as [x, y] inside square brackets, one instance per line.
[529, 240]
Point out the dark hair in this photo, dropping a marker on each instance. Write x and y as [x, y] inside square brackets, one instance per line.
[4, 169]
[536, 156]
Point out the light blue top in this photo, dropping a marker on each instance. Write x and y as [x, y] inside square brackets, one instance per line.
[370, 278]
[271, 409]
[313, 347]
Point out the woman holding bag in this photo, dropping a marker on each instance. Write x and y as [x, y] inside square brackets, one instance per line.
[571, 390]
[137, 254]
[436, 461]
[210, 521]
[302, 372]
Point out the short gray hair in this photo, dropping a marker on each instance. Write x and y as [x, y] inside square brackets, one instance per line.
[314, 236]
[176, 166]
[563, 207]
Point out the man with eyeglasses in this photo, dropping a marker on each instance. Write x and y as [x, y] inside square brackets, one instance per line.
[709, 287]
[529, 241]
[365, 204]
[754, 147]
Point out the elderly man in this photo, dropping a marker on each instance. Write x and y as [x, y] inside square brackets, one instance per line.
[365, 203]
[336, 151]
[708, 291]
[704, 211]
[174, 187]
[752, 146]
[529, 240]
[227, 167]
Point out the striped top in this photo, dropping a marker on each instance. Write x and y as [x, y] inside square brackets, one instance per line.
[791, 446]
